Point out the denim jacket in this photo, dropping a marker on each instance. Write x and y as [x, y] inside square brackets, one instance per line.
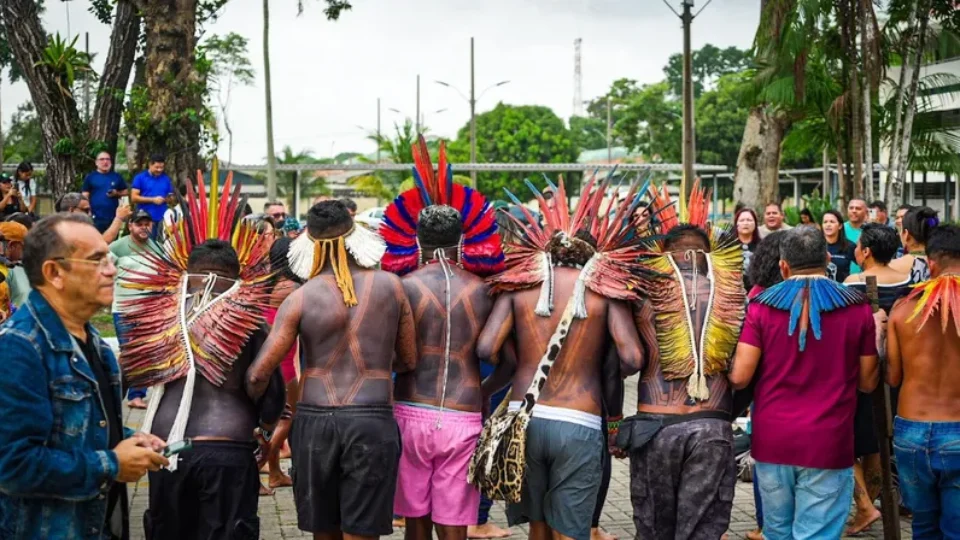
[55, 468]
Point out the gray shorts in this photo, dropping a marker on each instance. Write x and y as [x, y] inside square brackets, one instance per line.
[564, 467]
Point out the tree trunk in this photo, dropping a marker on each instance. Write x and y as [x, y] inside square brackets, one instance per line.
[904, 161]
[757, 179]
[894, 182]
[2, 156]
[174, 87]
[105, 122]
[135, 157]
[271, 157]
[56, 111]
[871, 75]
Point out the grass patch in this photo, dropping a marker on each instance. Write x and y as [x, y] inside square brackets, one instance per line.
[103, 322]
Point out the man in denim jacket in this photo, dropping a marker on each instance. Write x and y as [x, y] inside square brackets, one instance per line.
[64, 453]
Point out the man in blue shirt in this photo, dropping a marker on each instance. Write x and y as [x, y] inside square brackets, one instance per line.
[103, 188]
[150, 189]
[856, 217]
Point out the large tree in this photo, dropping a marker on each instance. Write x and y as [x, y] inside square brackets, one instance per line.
[709, 63]
[230, 66]
[49, 67]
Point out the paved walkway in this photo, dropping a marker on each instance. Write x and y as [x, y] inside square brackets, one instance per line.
[278, 516]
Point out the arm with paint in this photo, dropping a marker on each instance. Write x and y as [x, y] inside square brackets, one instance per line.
[286, 328]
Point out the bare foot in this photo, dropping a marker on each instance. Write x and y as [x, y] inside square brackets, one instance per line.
[598, 533]
[487, 530]
[399, 523]
[285, 451]
[755, 535]
[863, 522]
[280, 480]
[265, 491]
[137, 403]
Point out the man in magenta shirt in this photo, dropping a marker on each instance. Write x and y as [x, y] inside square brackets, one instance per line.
[806, 390]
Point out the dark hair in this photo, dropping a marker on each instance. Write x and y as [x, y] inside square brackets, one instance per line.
[920, 221]
[572, 251]
[804, 248]
[22, 218]
[23, 167]
[764, 267]
[268, 204]
[247, 210]
[505, 226]
[327, 217]
[215, 254]
[157, 158]
[279, 264]
[439, 226]
[904, 207]
[263, 220]
[842, 241]
[756, 223]
[769, 204]
[881, 240]
[44, 242]
[350, 204]
[944, 243]
[808, 213]
[686, 231]
[879, 205]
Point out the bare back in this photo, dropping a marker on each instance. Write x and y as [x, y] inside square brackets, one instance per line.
[470, 305]
[349, 352]
[929, 360]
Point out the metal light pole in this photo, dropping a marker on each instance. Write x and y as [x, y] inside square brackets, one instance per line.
[473, 120]
[609, 133]
[378, 130]
[418, 105]
[689, 137]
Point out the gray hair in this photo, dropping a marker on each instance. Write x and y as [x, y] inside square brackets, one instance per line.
[804, 248]
[69, 201]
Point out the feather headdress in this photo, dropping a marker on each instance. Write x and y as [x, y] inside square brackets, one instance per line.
[683, 353]
[807, 298]
[480, 248]
[610, 270]
[938, 294]
[175, 334]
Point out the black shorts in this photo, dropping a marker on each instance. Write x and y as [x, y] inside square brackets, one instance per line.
[345, 468]
[213, 494]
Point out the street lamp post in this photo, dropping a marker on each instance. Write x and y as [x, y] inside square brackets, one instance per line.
[472, 100]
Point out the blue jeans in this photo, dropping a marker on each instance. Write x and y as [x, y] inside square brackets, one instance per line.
[801, 503]
[132, 393]
[928, 459]
[757, 501]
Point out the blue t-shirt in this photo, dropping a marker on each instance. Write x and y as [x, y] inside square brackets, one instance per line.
[97, 184]
[852, 233]
[153, 186]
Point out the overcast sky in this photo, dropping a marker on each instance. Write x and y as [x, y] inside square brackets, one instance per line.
[327, 76]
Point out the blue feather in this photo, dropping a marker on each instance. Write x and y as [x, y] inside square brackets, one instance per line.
[449, 180]
[423, 190]
[550, 183]
[823, 296]
[533, 188]
[512, 197]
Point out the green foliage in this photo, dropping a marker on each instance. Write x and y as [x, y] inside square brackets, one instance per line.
[651, 122]
[588, 133]
[721, 116]
[709, 63]
[515, 134]
[813, 202]
[332, 10]
[23, 140]
[457, 179]
[396, 149]
[229, 61]
[66, 62]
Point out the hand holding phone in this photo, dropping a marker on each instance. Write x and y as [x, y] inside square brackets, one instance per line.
[177, 447]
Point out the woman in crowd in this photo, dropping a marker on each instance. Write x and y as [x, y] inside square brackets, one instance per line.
[11, 200]
[25, 185]
[746, 223]
[806, 218]
[876, 248]
[918, 223]
[841, 250]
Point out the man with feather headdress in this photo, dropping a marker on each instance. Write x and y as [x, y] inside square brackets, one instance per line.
[924, 360]
[680, 442]
[442, 238]
[541, 451]
[355, 326]
[199, 312]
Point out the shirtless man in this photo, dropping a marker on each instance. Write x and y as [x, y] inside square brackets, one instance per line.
[345, 442]
[564, 437]
[682, 468]
[924, 360]
[438, 404]
[214, 491]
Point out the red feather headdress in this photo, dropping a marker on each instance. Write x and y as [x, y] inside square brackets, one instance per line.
[174, 334]
[610, 272]
[481, 252]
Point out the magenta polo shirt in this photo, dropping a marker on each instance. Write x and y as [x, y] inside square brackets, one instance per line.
[804, 402]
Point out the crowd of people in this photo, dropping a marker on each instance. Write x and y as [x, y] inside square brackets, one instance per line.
[467, 352]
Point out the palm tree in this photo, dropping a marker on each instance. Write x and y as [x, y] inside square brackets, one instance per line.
[399, 149]
[310, 186]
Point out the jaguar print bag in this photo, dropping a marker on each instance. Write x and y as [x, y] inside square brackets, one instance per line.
[498, 464]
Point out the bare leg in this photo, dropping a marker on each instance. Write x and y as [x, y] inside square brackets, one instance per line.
[540, 531]
[330, 536]
[872, 475]
[420, 528]
[355, 537]
[278, 478]
[451, 532]
[597, 533]
[866, 514]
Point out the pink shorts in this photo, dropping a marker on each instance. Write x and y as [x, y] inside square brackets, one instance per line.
[287, 367]
[432, 478]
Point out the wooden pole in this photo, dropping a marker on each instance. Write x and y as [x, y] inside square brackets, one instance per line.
[889, 506]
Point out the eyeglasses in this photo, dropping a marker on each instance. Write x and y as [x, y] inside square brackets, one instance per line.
[84, 210]
[279, 215]
[104, 159]
[102, 263]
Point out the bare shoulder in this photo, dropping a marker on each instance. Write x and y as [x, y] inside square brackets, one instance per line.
[901, 310]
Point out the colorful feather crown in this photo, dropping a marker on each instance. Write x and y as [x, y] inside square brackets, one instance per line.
[609, 271]
[818, 294]
[938, 294]
[481, 251]
[685, 354]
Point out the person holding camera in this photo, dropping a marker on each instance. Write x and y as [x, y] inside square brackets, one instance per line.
[11, 201]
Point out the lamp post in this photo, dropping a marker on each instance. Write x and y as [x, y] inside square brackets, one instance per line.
[472, 100]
